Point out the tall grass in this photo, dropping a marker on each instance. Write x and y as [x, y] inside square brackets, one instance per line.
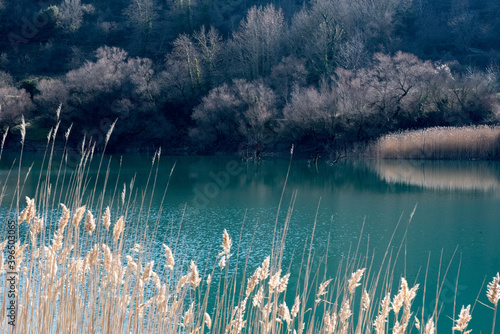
[468, 142]
[85, 263]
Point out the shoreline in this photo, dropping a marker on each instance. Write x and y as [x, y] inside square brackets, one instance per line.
[473, 142]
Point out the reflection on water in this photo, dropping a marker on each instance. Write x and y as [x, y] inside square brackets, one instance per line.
[441, 175]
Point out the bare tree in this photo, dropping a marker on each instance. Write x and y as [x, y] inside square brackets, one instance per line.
[315, 33]
[209, 44]
[287, 75]
[14, 103]
[71, 12]
[183, 74]
[352, 54]
[141, 15]
[311, 113]
[230, 115]
[258, 41]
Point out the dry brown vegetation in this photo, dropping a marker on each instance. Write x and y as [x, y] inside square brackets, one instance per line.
[88, 266]
[468, 142]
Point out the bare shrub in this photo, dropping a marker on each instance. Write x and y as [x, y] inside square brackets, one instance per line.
[229, 115]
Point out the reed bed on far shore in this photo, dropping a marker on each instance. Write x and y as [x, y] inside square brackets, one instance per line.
[479, 142]
[79, 262]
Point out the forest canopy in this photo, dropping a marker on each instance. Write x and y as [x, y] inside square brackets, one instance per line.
[210, 76]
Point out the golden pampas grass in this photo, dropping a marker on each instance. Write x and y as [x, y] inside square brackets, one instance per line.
[397, 303]
[283, 283]
[259, 297]
[207, 320]
[353, 282]
[29, 212]
[365, 300]
[169, 257]
[284, 313]
[89, 223]
[64, 217]
[322, 290]
[253, 281]
[264, 269]
[209, 279]
[226, 245]
[330, 322]
[37, 225]
[381, 318]
[195, 275]
[237, 323]
[106, 218]
[188, 318]
[345, 311]
[222, 262]
[78, 216]
[463, 320]
[274, 281]
[118, 229]
[148, 269]
[295, 307]
[430, 328]
[493, 290]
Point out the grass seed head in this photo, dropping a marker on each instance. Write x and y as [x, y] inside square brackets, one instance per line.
[322, 290]
[226, 245]
[493, 290]
[463, 319]
[118, 229]
[264, 272]
[64, 217]
[77, 217]
[283, 283]
[29, 212]
[274, 281]
[106, 218]
[330, 322]
[296, 306]
[284, 313]
[89, 222]
[252, 282]
[170, 257]
[195, 278]
[430, 328]
[207, 320]
[353, 282]
[365, 300]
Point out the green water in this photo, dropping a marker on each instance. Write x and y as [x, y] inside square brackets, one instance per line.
[458, 208]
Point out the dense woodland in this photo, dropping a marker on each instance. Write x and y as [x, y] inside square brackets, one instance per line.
[205, 76]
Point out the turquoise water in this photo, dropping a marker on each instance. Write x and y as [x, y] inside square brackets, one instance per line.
[457, 208]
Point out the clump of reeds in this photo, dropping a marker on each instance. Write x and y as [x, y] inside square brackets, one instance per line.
[100, 276]
[467, 142]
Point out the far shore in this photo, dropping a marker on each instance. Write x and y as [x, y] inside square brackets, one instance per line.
[474, 142]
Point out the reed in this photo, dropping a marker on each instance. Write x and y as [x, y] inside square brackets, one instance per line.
[468, 142]
[84, 263]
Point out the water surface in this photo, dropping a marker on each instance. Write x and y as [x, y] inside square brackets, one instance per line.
[458, 208]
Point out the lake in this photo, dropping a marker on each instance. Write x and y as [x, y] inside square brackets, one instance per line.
[457, 209]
